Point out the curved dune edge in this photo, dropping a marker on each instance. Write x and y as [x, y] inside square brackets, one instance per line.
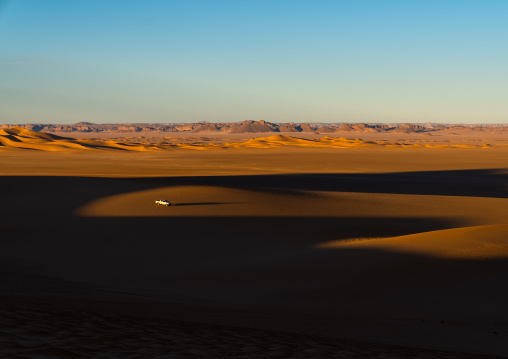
[480, 242]
[16, 138]
[210, 201]
[19, 138]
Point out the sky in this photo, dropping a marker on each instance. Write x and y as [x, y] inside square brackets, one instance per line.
[167, 61]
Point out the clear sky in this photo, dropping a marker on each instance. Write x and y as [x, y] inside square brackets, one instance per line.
[110, 61]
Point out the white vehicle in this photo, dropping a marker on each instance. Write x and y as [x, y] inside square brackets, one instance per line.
[162, 202]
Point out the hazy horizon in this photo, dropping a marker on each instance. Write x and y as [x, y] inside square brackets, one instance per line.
[273, 122]
[287, 61]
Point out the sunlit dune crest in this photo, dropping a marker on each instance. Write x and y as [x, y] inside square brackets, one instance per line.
[481, 242]
[329, 142]
[19, 138]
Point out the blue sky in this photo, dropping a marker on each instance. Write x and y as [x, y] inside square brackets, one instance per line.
[110, 61]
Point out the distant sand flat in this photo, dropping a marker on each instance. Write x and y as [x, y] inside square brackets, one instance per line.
[19, 138]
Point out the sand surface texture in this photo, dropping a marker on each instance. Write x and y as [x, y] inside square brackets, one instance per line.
[35, 332]
[20, 138]
[265, 252]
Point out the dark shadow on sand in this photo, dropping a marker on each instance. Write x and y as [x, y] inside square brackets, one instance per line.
[476, 183]
[202, 204]
[49, 255]
[470, 183]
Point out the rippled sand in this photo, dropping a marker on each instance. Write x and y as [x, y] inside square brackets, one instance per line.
[38, 332]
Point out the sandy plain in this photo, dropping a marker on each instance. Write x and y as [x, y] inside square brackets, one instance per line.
[275, 249]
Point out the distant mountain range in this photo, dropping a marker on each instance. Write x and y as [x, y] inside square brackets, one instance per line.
[252, 127]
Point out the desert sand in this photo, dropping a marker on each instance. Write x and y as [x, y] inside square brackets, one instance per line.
[276, 246]
[19, 138]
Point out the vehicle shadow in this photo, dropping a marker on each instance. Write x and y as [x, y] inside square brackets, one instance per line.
[202, 204]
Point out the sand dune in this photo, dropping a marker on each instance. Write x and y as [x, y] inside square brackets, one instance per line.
[340, 142]
[380, 244]
[19, 138]
[482, 242]
[257, 254]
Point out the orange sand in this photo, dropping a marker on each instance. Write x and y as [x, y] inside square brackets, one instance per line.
[371, 242]
[19, 138]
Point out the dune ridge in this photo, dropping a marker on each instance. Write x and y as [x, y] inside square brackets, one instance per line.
[478, 242]
[20, 138]
[16, 138]
[332, 142]
[251, 251]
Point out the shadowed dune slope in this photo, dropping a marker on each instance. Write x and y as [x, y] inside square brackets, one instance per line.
[374, 266]
[162, 338]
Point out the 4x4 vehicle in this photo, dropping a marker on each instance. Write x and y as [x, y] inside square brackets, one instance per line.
[162, 202]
